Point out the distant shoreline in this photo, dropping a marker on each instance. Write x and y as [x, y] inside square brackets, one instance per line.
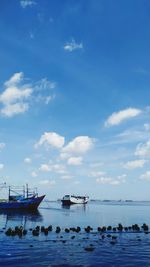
[104, 200]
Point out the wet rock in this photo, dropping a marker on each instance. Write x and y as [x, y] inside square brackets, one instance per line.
[37, 228]
[13, 233]
[78, 229]
[58, 229]
[72, 229]
[114, 237]
[135, 227]
[89, 249]
[120, 227]
[108, 235]
[16, 228]
[42, 229]
[24, 232]
[50, 228]
[88, 229]
[8, 232]
[145, 227]
[104, 229]
[35, 232]
[46, 231]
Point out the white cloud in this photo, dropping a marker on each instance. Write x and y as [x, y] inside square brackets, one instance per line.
[71, 46]
[79, 145]
[17, 94]
[130, 136]
[14, 97]
[143, 149]
[44, 90]
[27, 3]
[130, 165]
[14, 80]
[104, 180]
[34, 174]
[96, 174]
[45, 168]
[66, 177]
[57, 168]
[145, 176]
[75, 161]
[1, 166]
[115, 182]
[27, 160]
[47, 182]
[122, 115]
[48, 99]
[107, 180]
[51, 139]
[14, 109]
[44, 84]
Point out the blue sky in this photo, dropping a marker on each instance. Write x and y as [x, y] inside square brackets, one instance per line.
[74, 97]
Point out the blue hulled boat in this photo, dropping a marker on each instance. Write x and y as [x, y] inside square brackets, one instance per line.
[25, 200]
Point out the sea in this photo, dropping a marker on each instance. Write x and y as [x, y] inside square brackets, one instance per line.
[83, 248]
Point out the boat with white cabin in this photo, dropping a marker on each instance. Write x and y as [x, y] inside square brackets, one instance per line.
[72, 199]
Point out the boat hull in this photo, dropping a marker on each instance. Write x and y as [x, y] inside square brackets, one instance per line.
[27, 204]
[69, 200]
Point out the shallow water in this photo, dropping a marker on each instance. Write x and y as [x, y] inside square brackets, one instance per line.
[69, 249]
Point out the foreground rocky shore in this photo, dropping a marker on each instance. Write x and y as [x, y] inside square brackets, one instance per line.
[75, 246]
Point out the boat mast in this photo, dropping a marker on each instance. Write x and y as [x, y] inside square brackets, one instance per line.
[27, 190]
[24, 191]
[9, 194]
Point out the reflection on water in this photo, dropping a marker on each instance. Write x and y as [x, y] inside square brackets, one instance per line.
[94, 214]
[74, 207]
[20, 217]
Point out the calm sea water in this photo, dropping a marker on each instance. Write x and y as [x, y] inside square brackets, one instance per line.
[70, 249]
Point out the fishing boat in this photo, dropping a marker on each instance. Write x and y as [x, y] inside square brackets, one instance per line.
[72, 199]
[21, 199]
